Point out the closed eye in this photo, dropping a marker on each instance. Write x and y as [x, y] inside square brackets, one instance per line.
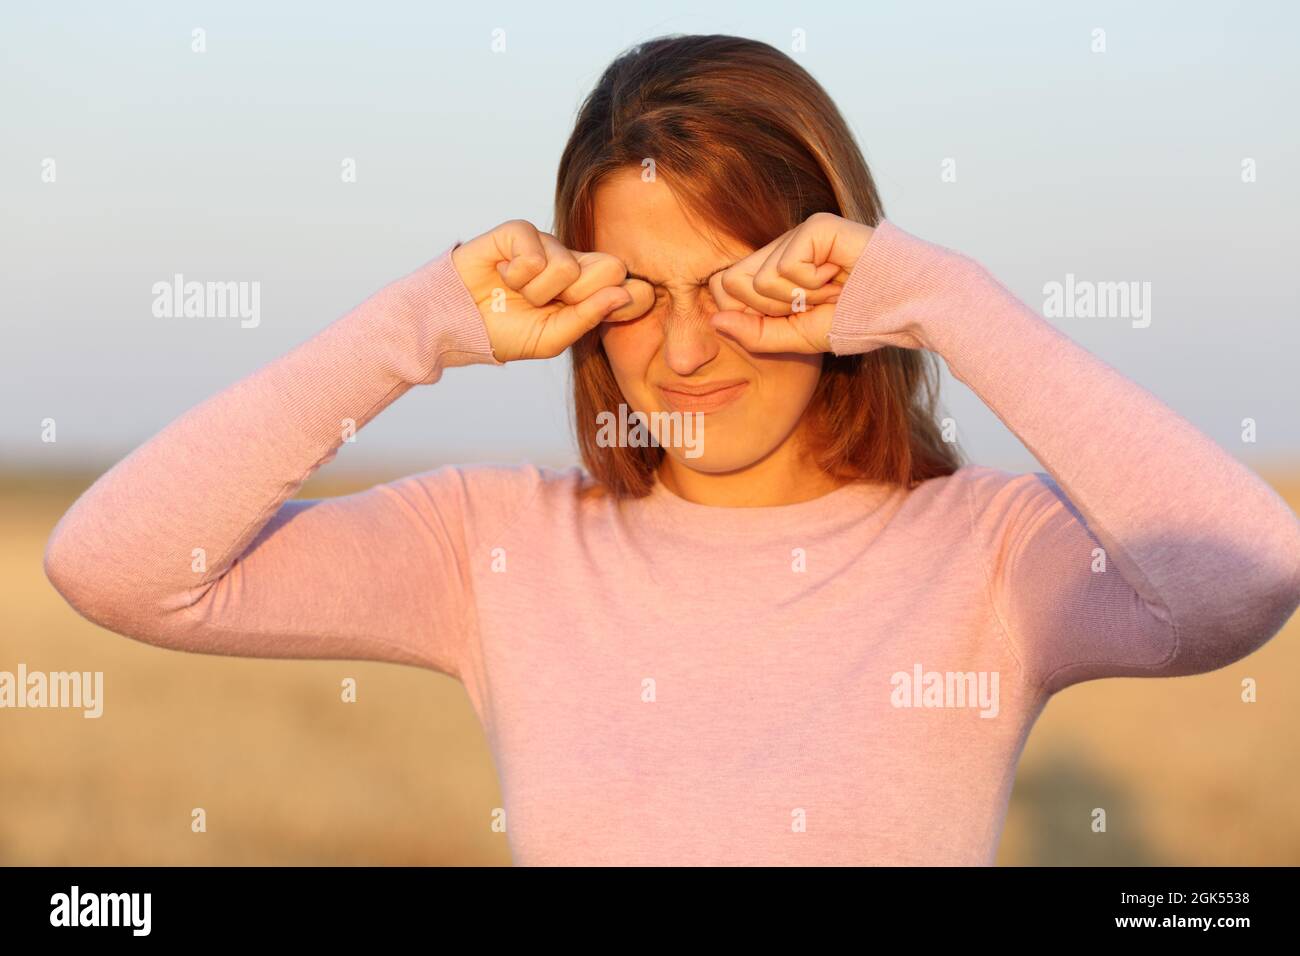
[704, 283]
[660, 287]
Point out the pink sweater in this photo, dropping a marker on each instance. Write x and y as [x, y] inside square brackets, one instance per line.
[848, 680]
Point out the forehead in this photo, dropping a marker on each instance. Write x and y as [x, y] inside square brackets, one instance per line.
[644, 225]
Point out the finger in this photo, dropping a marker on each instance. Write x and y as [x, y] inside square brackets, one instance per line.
[767, 281]
[521, 257]
[561, 271]
[599, 270]
[806, 259]
[764, 333]
[733, 288]
[775, 287]
[774, 280]
[725, 300]
[571, 322]
[739, 282]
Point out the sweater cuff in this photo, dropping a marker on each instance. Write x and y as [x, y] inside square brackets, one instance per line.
[435, 294]
[894, 272]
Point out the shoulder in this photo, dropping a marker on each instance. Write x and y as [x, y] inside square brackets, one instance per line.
[987, 494]
[982, 481]
[495, 478]
[489, 495]
[964, 484]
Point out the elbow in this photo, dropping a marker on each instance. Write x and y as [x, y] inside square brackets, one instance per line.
[1260, 605]
[1283, 597]
[91, 582]
[59, 561]
[71, 572]
[1279, 592]
[118, 595]
[1236, 597]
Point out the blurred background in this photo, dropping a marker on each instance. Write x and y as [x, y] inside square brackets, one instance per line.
[325, 149]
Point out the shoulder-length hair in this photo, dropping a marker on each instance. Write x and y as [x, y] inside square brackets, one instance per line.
[753, 145]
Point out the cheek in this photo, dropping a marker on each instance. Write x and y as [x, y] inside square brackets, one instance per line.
[787, 389]
[789, 382]
[631, 347]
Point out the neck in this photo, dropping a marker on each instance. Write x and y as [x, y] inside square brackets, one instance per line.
[785, 477]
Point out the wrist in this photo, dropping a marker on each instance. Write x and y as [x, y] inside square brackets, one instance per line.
[900, 292]
[435, 304]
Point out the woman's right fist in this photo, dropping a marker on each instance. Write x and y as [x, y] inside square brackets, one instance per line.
[537, 297]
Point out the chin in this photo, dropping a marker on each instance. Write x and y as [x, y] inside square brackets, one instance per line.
[718, 459]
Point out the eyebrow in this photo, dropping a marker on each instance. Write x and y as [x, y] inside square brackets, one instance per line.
[634, 275]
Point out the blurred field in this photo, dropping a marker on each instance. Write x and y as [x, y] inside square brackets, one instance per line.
[1187, 773]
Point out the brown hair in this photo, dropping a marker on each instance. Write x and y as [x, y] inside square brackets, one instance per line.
[753, 144]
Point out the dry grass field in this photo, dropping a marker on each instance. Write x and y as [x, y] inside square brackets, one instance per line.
[1187, 772]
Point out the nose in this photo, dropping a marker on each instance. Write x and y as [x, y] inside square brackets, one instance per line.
[689, 341]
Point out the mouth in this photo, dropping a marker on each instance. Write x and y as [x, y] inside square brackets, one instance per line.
[712, 397]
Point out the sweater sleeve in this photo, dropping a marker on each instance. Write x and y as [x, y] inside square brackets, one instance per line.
[190, 542]
[1145, 549]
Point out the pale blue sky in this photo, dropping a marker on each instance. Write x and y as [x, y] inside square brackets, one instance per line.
[1115, 166]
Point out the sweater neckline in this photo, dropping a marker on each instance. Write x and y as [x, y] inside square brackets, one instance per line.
[843, 507]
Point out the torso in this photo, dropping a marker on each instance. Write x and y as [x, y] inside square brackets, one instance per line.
[659, 689]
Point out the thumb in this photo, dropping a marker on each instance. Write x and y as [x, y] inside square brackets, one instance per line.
[744, 327]
[759, 333]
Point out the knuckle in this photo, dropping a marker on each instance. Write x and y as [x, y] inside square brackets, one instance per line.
[768, 283]
[788, 264]
[531, 264]
[603, 264]
[568, 270]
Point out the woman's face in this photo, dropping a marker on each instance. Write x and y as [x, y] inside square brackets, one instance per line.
[670, 359]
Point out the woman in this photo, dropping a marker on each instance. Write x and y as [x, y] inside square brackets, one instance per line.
[813, 637]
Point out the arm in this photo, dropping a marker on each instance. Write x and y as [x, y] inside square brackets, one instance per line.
[189, 542]
[1202, 557]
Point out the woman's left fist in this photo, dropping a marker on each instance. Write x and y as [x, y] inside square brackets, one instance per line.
[782, 297]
